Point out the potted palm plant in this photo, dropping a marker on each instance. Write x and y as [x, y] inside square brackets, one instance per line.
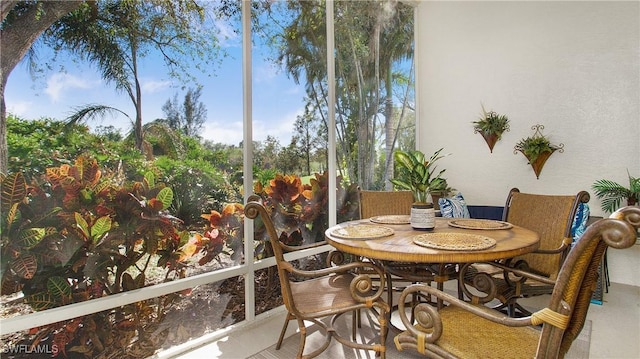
[491, 125]
[612, 193]
[417, 173]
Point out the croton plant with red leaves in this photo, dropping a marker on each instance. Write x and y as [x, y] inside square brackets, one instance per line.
[82, 234]
[300, 211]
[79, 235]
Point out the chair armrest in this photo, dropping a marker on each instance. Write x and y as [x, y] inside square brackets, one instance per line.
[484, 281]
[522, 273]
[566, 243]
[429, 323]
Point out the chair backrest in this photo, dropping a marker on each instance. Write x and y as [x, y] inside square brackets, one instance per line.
[577, 278]
[252, 210]
[379, 203]
[551, 216]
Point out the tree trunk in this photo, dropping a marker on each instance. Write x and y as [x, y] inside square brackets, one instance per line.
[389, 129]
[16, 38]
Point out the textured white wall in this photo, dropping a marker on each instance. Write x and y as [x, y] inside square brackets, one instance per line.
[573, 67]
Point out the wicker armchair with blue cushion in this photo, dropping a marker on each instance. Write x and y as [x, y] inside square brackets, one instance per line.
[552, 216]
[466, 330]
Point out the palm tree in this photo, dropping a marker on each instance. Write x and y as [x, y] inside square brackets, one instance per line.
[154, 135]
[117, 35]
[367, 45]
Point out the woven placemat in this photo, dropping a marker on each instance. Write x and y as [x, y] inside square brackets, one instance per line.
[471, 223]
[362, 231]
[454, 241]
[392, 219]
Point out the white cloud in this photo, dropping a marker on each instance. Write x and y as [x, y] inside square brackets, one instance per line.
[280, 128]
[230, 132]
[152, 86]
[61, 82]
[19, 108]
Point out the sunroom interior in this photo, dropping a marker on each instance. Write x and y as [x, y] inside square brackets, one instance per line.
[572, 67]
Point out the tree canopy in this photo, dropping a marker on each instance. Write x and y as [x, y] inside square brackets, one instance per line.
[116, 35]
[371, 39]
[187, 117]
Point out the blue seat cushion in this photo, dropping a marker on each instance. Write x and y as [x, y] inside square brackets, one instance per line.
[454, 207]
[486, 212]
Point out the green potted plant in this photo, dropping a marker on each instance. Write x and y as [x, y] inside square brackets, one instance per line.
[612, 193]
[417, 174]
[491, 125]
[537, 149]
[439, 189]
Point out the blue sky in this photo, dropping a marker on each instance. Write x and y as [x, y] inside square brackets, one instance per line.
[277, 101]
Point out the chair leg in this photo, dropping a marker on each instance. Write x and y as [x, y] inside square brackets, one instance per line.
[284, 329]
[303, 338]
[355, 321]
[389, 290]
[384, 329]
[605, 265]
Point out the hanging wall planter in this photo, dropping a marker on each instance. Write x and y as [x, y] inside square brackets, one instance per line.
[537, 149]
[491, 126]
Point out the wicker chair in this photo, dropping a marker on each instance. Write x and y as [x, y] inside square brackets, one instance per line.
[328, 292]
[551, 216]
[379, 203]
[467, 330]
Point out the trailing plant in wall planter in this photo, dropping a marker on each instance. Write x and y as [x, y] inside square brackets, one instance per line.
[537, 149]
[491, 125]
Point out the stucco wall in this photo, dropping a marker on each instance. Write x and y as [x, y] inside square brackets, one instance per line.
[573, 67]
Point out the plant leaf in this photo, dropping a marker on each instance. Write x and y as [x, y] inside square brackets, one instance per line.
[40, 301]
[29, 237]
[166, 196]
[14, 190]
[25, 266]
[82, 224]
[149, 179]
[13, 215]
[403, 159]
[100, 227]
[128, 283]
[59, 287]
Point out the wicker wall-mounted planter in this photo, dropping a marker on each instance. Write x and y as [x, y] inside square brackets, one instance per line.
[491, 126]
[490, 139]
[539, 162]
[537, 149]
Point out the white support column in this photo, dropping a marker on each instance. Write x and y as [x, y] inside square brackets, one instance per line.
[331, 76]
[247, 165]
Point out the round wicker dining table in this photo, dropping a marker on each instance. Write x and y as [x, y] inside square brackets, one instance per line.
[396, 242]
[400, 244]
